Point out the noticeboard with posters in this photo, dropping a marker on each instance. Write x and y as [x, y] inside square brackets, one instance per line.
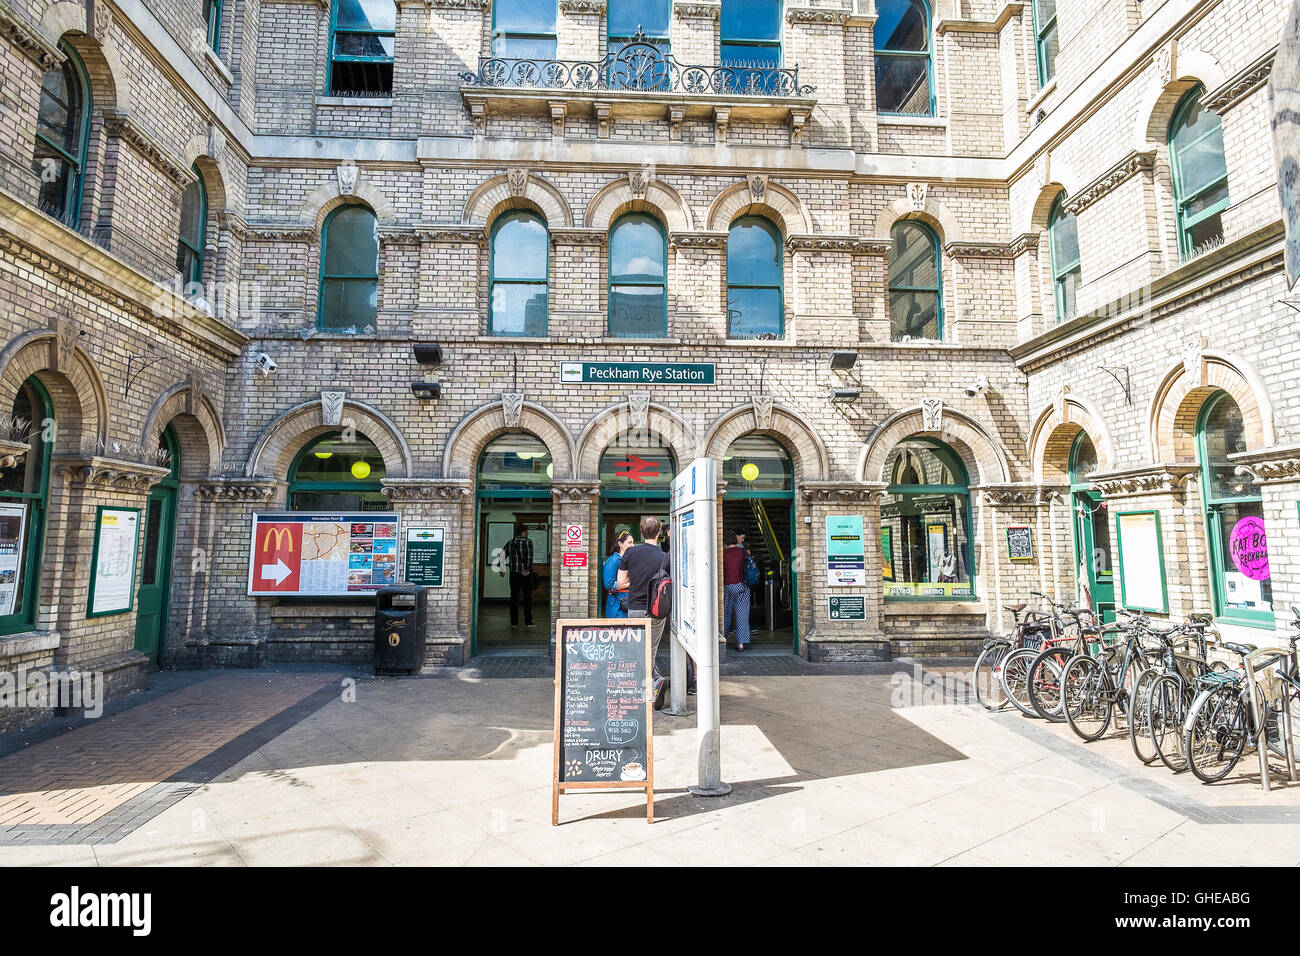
[301, 554]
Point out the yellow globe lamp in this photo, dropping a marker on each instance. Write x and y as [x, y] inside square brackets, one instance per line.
[360, 470]
[749, 472]
[323, 455]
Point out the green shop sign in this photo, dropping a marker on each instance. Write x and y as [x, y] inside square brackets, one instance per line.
[636, 373]
[424, 556]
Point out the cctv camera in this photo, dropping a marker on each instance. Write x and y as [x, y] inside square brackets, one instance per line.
[981, 385]
[265, 364]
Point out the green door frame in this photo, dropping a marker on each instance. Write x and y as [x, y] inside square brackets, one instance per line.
[168, 492]
[1085, 544]
[34, 557]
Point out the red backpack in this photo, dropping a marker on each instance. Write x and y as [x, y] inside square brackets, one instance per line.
[661, 595]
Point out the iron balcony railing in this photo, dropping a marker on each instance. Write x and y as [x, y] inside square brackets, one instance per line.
[639, 66]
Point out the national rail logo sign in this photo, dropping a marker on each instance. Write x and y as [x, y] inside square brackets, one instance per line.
[293, 554]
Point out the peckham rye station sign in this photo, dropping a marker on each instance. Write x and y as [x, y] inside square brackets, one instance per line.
[636, 373]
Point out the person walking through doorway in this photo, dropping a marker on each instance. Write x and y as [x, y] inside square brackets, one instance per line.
[637, 569]
[735, 590]
[519, 552]
[609, 576]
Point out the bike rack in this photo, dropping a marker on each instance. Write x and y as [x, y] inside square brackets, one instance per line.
[1261, 744]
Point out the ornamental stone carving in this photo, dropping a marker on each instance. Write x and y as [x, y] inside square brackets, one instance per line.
[843, 492]
[575, 491]
[1194, 359]
[67, 331]
[639, 405]
[1011, 496]
[932, 414]
[1272, 466]
[763, 412]
[1128, 167]
[256, 491]
[99, 473]
[331, 407]
[347, 176]
[1241, 85]
[12, 454]
[425, 489]
[1155, 480]
[517, 179]
[916, 193]
[512, 406]
[639, 180]
[815, 15]
[697, 11]
[757, 189]
[583, 7]
[28, 40]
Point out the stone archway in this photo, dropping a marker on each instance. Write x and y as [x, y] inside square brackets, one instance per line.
[765, 417]
[1177, 402]
[518, 189]
[80, 401]
[197, 424]
[985, 460]
[280, 441]
[658, 426]
[1053, 434]
[479, 427]
[657, 199]
[757, 196]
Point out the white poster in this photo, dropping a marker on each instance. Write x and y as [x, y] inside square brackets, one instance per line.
[1142, 563]
[113, 581]
[13, 525]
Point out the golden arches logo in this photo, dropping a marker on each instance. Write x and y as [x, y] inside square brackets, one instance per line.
[280, 534]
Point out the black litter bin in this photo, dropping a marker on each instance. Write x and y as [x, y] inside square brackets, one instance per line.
[400, 615]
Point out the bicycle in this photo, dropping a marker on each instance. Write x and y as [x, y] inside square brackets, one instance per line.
[986, 675]
[1047, 667]
[1161, 693]
[1039, 628]
[1093, 687]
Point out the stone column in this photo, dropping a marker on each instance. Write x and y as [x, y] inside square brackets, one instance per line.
[1277, 470]
[578, 281]
[822, 637]
[575, 592]
[696, 298]
[446, 503]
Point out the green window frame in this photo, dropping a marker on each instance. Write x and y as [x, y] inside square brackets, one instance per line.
[1199, 203]
[1213, 505]
[361, 47]
[37, 502]
[524, 29]
[1047, 42]
[368, 488]
[909, 288]
[903, 54]
[750, 33]
[346, 279]
[755, 283]
[212, 15]
[189, 245]
[1067, 271]
[952, 461]
[637, 284]
[507, 278]
[59, 160]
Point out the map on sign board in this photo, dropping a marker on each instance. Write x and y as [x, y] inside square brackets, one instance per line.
[314, 554]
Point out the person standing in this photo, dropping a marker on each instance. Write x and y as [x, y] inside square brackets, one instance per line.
[519, 553]
[735, 589]
[609, 576]
[637, 569]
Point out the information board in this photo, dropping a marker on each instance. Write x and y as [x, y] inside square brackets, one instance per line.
[695, 583]
[13, 528]
[847, 607]
[112, 578]
[603, 708]
[425, 552]
[318, 555]
[846, 551]
[1141, 561]
[1020, 542]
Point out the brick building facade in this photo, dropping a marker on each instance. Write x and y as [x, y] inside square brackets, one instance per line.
[919, 175]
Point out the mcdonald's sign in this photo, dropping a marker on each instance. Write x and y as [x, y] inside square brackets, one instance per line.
[277, 558]
[294, 553]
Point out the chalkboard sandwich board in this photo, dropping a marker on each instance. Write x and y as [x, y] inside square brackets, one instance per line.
[603, 709]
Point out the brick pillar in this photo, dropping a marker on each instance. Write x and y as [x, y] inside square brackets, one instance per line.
[1007, 581]
[580, 31]
[454, 304]
[445, 503]
[823, 637]
[696, 296]
[577, 283]
[575, 592]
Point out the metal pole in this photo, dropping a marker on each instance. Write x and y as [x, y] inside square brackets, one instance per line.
[676, 677]
[708, 721]
[1261, 741]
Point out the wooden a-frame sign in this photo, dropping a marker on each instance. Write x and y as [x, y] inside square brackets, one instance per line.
[604, 708]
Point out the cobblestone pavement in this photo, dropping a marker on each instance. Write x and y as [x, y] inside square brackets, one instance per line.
[828, 767]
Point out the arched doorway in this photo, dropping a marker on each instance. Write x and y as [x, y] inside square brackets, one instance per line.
[925, 524]
[514, 488]
[634, 481]
[152, 597]
[1092, 544]
[760, 502]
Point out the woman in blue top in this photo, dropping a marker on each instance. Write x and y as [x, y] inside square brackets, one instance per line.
[609, 577]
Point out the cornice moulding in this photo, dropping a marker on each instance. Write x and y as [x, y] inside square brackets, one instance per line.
[27, 38]
[578, 8]
[1128, 167]
[1160, 479]
[1270, 466]
[697, 11]
[816, 15]
[99, 472]
[129, 129]
[1241, 85]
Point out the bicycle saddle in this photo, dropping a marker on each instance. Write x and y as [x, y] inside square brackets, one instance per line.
[1200, 617]
[1242, 649]
[1014, 608]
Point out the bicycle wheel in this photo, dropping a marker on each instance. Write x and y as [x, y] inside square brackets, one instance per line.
[1139, 723]
[1166, 711]
[988, 685]
[1045, 682]
[1216, 734]
[1015, 678]
[1083, 690]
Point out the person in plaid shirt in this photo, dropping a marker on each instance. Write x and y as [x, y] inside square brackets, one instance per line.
[519, 554]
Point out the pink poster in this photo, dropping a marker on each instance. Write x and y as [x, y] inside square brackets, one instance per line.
[1249, 548]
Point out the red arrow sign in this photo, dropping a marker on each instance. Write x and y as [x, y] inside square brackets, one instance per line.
[277, 557]
[635, 467]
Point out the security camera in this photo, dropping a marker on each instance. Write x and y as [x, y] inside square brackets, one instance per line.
[265, 364]
[981, 385]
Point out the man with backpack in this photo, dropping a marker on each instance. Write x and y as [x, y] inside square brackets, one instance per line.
[736, 577]
[644, 571]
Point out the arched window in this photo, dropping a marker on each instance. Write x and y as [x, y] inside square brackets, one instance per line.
[756, 463]
[1048, 43]
[362, 40]
[334, 474]
[1200, 173]
[62, 138]
[751, 33]
[636, 471]
[902, 33]
[646, 22]
[523, 29]
[925, 523]
[521, 263]
[194, 222]
[349, 275]
[1063, 236]
[516, 463]
[755, 286]
[24, 496]
[915, 283]
[638, 278]
[1234, 517]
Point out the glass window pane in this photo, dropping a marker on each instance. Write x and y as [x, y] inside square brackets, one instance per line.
[636, 251]
[1048, 49]
[754, 313]
[519, 248]
[636, 311]
[361, 77]
[1101, 545]
[1067, 295]
[191, 212]
[1085, 459]
[25, 426]
[771, 469]
[626, 17]
[753, 254]
[913, 262]
[1209, 229]
[60, 111]
[152, 535]
[914, 314]
[514, 461]
[525, 16]
[1208, 200]
[349, 304]
[519, 308]
[925, 543]
[919, 462]
[751, 20]
[1243, 557]
[378, 15]
[364, 44]
[901, 25]
[1045, 11]
[903, 84]
[627, 468]
[352, 243]
[1225, 434]
[187, 263]
[1197, 147]
[1064, 232]
[336, 460]
[524, 48]
[58, 179]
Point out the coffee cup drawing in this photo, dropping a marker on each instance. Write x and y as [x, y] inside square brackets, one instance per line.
[633, 772]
